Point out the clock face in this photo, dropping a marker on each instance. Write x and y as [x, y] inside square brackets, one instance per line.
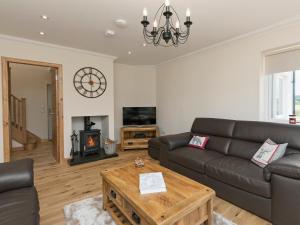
[89, 82]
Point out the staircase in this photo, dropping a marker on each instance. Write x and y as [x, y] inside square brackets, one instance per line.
[19, 131]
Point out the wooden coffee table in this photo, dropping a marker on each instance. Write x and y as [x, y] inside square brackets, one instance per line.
[186, 202]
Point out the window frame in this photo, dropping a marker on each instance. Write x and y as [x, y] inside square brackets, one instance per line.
[270, 90]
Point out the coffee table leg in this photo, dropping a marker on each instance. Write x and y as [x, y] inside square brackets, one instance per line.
[104, 194]
[209, 212]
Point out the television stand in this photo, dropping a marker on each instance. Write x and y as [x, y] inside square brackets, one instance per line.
[137, 137]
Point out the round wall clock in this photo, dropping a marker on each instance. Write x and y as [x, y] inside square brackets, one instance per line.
[89, 82]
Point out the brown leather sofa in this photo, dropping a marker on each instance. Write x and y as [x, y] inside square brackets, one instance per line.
[19, 204]
[272, 193]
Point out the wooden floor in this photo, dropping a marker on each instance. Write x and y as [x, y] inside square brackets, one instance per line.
[59, 185]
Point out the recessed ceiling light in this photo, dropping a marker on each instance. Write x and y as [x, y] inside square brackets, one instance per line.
[129, 53]
[44, 17]
[42, 33]
[144, 44]
[109, 33]
[121, 22]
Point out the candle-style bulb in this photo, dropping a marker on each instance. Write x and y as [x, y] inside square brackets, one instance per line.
[177, 24]
[188, 12]
[145, 12]
[167, 3]
[155, 24]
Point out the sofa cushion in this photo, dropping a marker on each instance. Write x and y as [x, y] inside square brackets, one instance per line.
[269, 152]
[193, 158]
[211, 126]
[219, 131]
[254, 131]
[19, 207]
[243, 149]
[198, 141]
[219, 144]
[240, 173]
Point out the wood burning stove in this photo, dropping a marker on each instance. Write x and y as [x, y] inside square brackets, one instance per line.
[90, 141]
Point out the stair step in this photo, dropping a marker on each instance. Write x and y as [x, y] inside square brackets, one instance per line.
[30, 146]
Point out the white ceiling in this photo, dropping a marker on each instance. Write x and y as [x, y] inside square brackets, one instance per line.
[82, 23]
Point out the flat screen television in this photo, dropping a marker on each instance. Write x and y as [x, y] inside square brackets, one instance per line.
[139, 116]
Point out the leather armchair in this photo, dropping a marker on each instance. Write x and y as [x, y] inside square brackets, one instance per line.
[19, 203]
[15, 175]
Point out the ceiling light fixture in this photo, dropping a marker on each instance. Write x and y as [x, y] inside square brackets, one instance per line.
[168, 29]
[129, 53]
[121, 23]
[42, 33]
[144, 44]
[44, 17]
[109, 33]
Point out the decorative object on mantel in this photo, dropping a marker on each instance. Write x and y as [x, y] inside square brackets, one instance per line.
[90, 145]
[90, 212]
[168, 29]
[90, 82]
[138, 162]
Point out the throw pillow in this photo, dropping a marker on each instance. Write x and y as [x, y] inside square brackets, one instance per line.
[198, 142]
[269, 152]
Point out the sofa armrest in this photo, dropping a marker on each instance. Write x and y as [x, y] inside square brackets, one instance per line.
[14, 175]
[176, 140]
[288, 166]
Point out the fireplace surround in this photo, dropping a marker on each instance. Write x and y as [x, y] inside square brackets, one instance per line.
[90, 146]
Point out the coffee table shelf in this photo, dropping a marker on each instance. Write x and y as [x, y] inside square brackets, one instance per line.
[117, 215]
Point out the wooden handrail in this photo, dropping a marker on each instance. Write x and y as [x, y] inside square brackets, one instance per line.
[18, 118]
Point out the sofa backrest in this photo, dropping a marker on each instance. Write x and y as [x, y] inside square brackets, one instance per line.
[220, 132]
[248, 136]
[244, 138]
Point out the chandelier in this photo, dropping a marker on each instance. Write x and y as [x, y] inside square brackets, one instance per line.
[166, 26]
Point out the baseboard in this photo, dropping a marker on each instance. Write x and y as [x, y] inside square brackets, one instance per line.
[15, 149]
[45, 141]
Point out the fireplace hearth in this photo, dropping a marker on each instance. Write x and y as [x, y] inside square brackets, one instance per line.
[89, 145]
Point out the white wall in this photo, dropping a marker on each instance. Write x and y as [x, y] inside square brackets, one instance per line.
[72, 60]
[134, 86]
[30, 82]
[222, 81]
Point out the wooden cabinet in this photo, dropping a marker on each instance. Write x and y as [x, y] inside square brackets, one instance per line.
[137, 137]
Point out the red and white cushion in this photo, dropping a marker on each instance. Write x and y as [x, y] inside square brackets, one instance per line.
[198, 142]
[269, 152]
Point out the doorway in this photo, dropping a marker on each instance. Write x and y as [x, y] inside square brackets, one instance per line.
[50, 111]
[14, 108]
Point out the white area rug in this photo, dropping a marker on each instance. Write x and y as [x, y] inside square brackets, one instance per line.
[89, 212]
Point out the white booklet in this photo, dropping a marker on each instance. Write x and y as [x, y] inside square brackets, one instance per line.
[152, 183]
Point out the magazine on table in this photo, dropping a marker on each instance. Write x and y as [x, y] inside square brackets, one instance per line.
[152, 183]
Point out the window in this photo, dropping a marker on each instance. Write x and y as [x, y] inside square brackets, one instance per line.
[282, 86]
[285, 94]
